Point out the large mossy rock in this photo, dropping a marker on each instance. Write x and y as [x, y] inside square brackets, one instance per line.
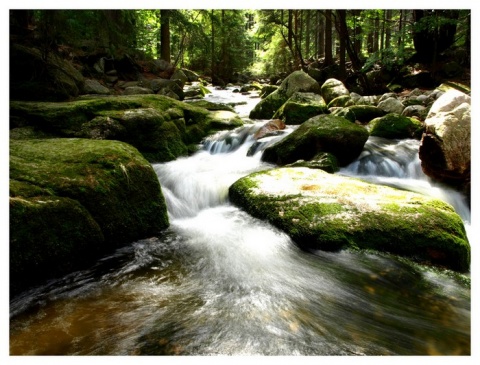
[323, 133]
[300, 107]
[329, 212]
[37, 76]
[160, 127]
[74, 199]
[396, 126]
[297, 81]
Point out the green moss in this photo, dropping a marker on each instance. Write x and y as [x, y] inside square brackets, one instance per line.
[136, 119]
[340, 101]
[267, 107]
[50, 236]
[365, 113]
[396, 126]
[332, 213]
[111, 179]
[323, 133]
[72, 195]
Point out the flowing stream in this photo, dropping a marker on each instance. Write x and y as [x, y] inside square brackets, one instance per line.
[219, 281]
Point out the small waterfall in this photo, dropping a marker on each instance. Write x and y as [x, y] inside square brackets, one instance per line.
[202, 180]
[396, 163]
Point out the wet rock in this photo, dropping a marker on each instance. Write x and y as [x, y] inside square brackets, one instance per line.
[391, 105]
[300, 107]
[269, 128]
[72, 200]
[323, 133]
[160, 127]
[94, 87]
[137, 90]
[297, 81]
[395, 126]
[322, 211]
[32, 77]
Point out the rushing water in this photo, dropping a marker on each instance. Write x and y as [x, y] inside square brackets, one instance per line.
[219, 281]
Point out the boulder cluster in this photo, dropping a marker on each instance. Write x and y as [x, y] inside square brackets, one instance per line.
[81, 180]
[326, 211]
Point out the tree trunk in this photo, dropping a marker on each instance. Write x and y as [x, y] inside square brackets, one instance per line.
[357, 31]
[388, 28]
[321, 34]
[307, 33]
[290, 32]
[328, 38]
[341, 26]
[212, 45]
[356, 64]
[376, 33]
[165, 35]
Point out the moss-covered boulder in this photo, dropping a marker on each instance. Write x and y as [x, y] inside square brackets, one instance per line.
[300, 107]
[266, 108]
[341, 101]
[323, 133]
[211, 105]
[34, 76]
[333, 88]
[160, 127]
[72, 200]
[360, 113]
[324, 161]
[297, 81]
[329, 212]
[396, 126]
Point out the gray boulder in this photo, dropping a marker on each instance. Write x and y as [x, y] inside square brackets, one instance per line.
[94, 87]
[137, 90]
[333, 88]
[391, 105]
[445, 150]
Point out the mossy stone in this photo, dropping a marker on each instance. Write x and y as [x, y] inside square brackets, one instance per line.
[301, 107]
[396, 126]
[323, 133]
[322, 211]
[137, 119]
[106, 187]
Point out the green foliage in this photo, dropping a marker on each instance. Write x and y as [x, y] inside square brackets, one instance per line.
[222, 42]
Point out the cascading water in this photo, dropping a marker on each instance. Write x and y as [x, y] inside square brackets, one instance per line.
[219, 281]
[396, 163]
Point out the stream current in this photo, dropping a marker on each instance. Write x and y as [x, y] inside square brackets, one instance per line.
[220, 282]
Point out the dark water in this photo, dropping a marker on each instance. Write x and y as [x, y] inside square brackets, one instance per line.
[221, 282]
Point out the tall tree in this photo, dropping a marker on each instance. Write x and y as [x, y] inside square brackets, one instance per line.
[328, 38]
[165, 35]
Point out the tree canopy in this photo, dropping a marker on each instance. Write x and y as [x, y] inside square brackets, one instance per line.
[222, 43]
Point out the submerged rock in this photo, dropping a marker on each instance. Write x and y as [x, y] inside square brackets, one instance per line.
[322, 211]
[72, 200]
